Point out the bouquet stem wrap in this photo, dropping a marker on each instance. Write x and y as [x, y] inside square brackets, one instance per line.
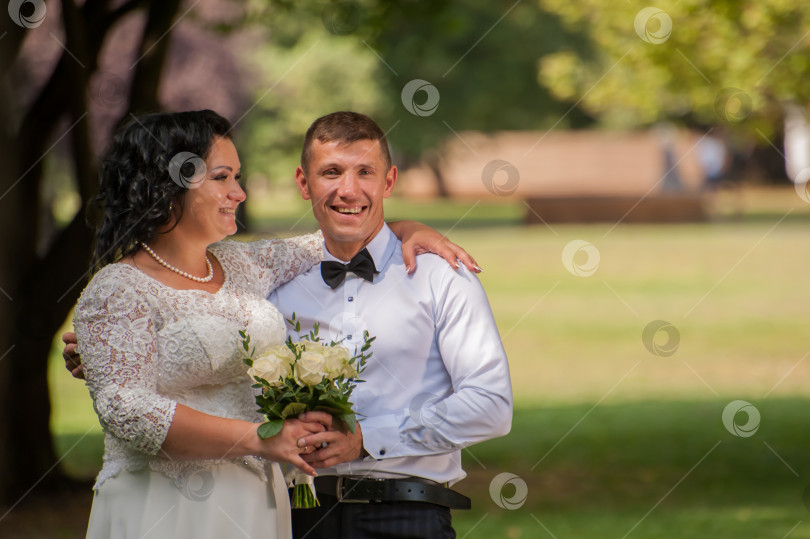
[304, 496]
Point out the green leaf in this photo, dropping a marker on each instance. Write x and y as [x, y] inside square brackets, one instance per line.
[293, 409]
[328, 409]
[337, 409]
[270, 429]
[350, 420]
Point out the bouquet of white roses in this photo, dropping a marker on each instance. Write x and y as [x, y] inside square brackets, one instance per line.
[307, 375]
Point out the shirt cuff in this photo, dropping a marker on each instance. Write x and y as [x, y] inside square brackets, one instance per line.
[381, 435]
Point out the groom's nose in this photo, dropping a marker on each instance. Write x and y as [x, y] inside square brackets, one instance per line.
[349, 185]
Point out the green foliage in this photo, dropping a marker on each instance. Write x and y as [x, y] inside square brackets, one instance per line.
[482, 57]
[757, 48]
[321, 58]
[313, 75]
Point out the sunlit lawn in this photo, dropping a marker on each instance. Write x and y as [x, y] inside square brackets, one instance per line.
[610, 439]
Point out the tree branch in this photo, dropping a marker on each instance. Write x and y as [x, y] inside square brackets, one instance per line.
[153, 50]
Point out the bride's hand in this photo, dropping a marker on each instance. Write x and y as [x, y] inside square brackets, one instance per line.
[418, 239]
[283, 447]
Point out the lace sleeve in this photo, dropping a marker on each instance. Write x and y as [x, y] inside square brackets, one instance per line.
[282, 260]
[117, 342]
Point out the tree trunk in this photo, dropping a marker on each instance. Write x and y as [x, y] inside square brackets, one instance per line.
[431, 159]
[11, 248]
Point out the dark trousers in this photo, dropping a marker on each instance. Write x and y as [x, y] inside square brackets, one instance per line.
[379, 520]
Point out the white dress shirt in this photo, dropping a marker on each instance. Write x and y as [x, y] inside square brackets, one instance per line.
[438, 379]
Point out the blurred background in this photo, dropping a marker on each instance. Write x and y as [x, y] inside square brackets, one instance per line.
[632, 178]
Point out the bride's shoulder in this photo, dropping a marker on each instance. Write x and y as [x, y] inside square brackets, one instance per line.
[229, 252]
[235, 253]
[117, 280]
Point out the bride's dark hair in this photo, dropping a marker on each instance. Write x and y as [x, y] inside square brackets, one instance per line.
[149, 165]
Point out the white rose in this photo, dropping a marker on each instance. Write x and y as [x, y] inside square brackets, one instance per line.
[270, 367]
[336, 359]
[285, 353]
[316, 347]
[310, 369]
[350, 370]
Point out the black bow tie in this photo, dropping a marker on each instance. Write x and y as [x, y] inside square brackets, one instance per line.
[361, 264]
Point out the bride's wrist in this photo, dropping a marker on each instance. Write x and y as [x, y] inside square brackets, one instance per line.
[251, 442]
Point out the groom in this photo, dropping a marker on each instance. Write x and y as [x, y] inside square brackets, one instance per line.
[438, 380]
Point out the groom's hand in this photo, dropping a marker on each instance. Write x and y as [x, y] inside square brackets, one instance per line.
[73, 362]
[341, 444]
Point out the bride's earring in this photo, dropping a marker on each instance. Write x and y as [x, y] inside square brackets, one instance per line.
[171, 206]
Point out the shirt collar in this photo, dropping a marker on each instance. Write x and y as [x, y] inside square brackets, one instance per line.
[381, 247]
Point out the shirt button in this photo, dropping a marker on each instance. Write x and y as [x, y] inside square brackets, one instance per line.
[350, 298]
[382, 451]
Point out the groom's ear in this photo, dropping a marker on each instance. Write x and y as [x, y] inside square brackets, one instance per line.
[301, 182]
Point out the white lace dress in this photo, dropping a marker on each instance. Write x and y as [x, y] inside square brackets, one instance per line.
[146, 347]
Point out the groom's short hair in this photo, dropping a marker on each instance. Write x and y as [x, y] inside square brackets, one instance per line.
[345, 127]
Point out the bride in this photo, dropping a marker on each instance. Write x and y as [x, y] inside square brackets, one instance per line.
[157, 330]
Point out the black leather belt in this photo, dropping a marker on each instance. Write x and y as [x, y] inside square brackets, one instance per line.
[367, 489]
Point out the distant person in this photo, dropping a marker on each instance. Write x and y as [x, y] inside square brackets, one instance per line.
[671, 181]
[797, 143]
[713, 158]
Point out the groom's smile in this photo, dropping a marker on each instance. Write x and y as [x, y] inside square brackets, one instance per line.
[348, 211]
[347, 183]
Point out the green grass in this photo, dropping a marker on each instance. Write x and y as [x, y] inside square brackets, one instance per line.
[608, 437]
[623, 461]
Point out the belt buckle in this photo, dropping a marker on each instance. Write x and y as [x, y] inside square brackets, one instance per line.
[340, 497]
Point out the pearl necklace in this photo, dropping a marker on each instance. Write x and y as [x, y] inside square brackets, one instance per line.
[168, 266]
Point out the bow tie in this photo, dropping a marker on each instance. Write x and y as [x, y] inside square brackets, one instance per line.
[361, 264]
